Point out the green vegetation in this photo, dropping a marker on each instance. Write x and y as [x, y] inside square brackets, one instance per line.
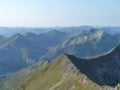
[60, 74]
[13, 80]
[47, 76]
[118, 87]
[65, 72]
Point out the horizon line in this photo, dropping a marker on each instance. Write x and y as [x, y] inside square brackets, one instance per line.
[58, 26]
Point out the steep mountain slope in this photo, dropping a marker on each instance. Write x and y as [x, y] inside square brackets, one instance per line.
[8, 82]
[64, 73]
[60, 74]
[67, 72]
[20, 51]
[52, 38]
[86, 44]
[49, 39]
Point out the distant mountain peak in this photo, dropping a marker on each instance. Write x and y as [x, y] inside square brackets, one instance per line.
[55, 32]
[95, 33]
[96, 30]
[29, 34]
[17, 36]
[85, 36]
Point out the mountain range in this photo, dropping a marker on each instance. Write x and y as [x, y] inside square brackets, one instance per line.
[71, 73]
[86, 44]
[10, 31]
[60, 60]
[22, 50]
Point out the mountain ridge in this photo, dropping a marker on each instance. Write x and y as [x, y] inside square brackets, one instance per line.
[20, 51]
[75, 76]
[86, 44]
[68, 71]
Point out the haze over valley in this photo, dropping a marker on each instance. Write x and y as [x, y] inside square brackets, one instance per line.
[59, 44]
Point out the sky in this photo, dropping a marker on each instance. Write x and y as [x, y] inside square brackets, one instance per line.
[50, 13]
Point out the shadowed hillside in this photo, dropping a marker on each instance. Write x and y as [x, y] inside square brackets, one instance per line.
[73, 73]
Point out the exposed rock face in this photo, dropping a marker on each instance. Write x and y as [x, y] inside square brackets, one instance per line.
[85, 36]
[104, 70]
[85, 44]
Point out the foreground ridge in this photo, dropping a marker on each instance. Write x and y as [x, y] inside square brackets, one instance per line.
[67, 72]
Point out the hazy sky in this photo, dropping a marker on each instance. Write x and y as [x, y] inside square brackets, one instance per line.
[59, 12]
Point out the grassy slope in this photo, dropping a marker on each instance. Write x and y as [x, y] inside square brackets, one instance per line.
[60, 74]
[13, 80]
